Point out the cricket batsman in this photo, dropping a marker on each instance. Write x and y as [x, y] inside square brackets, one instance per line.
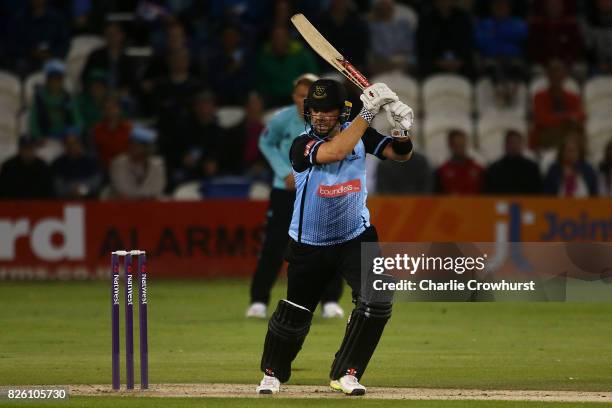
[330, 221]
[275, 142]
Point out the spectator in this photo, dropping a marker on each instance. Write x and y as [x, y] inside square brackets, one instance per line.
[174, 38]
[111, 135]
[513, 173]
[282, 10]
[91, 102]
[598, 36]
[230, 72]
[25, 175]
[279, 62]
[392, 39]
[556, 111]
[54, 110]
[175, 42]
[346, 30]
[77, 175]
[500, 39]
[91, 16]
[196, 150]
[605, 172]
[247, 10]
[83, 18]
[571, 175]
[172, 95]
[113, 60]
[460, 174]
[413, 177]
[554, 34]
[138, 174]
[520, 8]
[38, 34]
[244, 139]
[445, 40]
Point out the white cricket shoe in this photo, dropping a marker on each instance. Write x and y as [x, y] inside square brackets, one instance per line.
[269, 385]
[331, 310]
[258, 310]
[348, 384]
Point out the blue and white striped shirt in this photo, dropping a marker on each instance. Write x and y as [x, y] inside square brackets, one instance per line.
[330, 205]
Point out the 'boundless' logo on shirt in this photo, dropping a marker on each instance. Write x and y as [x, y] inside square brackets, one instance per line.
[337, 190]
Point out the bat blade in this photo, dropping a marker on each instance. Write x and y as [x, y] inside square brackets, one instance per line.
[322, 47]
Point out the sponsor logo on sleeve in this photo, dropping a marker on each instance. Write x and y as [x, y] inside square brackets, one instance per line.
[309, 147]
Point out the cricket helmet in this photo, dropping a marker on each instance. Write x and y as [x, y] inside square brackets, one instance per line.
[325, 95]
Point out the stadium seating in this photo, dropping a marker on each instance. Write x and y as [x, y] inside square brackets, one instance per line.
[23, 121]
[50, 150]
[10, 92]
[8, 135]
[404, 86]
[404, 11]
[259, 190]
[546, 159]
[541, 82]
[491, 131]
[598, 96]
[189, 191]
[80, 48]
[230, 116]
[447, 94]
[486, 103]
[38, 78]
[435, 134]
[599, 133]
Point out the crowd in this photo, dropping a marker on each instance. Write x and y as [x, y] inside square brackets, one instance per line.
[137, 125]
[569, 175]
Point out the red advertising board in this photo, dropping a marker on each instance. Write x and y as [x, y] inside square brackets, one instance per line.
[73, 240]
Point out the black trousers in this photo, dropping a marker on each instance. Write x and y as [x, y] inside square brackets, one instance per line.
[270, 259]
[312, 268]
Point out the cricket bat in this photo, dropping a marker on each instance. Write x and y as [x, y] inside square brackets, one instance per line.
[322, 47]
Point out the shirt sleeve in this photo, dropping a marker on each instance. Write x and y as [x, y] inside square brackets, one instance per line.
[269, 146]
[303, 152]
[375, 142]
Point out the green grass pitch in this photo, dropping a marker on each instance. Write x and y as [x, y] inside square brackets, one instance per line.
[59, 333]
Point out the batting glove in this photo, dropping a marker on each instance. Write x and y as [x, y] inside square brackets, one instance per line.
[400, 115]
[377, 95]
